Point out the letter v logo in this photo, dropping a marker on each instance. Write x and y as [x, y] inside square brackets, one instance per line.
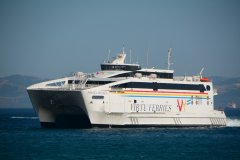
[180, 106]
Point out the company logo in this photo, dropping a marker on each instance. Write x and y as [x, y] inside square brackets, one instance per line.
[182, 104]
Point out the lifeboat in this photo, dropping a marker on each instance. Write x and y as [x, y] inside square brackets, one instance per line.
[204, 79]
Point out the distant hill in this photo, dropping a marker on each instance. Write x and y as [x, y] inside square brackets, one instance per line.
[13, 92]
[228, 91]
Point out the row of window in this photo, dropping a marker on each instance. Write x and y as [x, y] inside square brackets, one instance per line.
[120, 67]
[99, 82]
[155, 86]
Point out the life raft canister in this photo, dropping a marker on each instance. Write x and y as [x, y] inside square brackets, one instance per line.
[204, 79]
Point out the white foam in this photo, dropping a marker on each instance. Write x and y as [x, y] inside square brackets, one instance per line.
[233, 122]
[24, 117]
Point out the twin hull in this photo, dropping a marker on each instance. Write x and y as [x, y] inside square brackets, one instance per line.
[113, 108]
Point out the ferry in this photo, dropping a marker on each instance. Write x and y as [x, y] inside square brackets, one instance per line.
[126, 95]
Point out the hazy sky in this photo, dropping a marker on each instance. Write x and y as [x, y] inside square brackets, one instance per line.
[52, 38]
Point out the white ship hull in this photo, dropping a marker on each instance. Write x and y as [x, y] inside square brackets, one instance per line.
[66, 109]
[116, 109]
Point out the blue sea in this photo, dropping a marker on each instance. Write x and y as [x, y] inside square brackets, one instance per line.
[21, 137]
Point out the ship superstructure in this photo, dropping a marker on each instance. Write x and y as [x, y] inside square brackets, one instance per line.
[126, 95]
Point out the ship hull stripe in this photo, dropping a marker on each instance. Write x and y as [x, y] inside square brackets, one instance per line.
[186, 97]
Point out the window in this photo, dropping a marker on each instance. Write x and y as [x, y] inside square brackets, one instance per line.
[155, 86]
[77, 81]
[73, 81]
[56, 83]
[120, 67]
[97, 97]
[99, 82]
[208, 88]
[70, 81]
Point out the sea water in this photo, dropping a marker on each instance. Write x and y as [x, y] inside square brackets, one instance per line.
[21, 137]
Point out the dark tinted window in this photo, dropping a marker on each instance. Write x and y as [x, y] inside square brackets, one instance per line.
[208, 88]
[56, 83]
[155, 86]
[70, 81]
[99, 82]
[77, 81]
[120, 67]
[73, 81]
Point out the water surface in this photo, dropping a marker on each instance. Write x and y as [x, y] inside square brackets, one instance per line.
[22, 138]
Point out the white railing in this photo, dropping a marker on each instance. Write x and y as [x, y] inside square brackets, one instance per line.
[78, 82]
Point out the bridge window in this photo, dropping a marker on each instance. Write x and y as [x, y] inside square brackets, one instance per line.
[56, 83]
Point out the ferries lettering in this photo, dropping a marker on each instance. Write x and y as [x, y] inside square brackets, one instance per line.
[136, 107]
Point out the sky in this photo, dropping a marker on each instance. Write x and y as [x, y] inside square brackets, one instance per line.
[53, 38]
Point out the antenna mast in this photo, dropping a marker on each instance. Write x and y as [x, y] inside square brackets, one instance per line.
[130, 52]
[109, 51]
[169, 58]
[147, 56]
[123, 48]
[201, 72]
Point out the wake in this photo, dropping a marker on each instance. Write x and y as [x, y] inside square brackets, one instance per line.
[233, 122]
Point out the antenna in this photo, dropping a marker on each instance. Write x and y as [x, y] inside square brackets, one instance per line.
[147, 56]
[130, 56]
[109, 51]
[169, 58]
[123, 48]
[200, 73]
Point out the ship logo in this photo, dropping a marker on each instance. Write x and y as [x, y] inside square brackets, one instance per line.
[182, 104]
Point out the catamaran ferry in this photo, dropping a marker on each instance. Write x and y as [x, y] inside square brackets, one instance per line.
[126, 95]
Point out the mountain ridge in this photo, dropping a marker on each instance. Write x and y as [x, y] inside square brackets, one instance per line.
[13, 93]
